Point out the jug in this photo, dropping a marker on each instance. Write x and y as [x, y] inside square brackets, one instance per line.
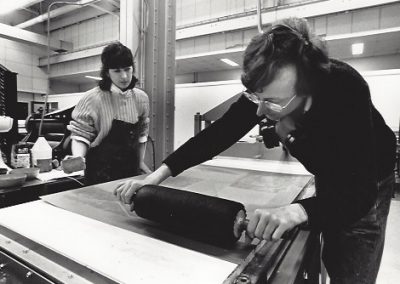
[42, 155]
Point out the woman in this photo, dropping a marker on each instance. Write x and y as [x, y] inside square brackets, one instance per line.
[111, 122]
[325, 118]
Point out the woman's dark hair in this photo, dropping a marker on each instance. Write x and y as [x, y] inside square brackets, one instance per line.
[114, 56]
[286, 42]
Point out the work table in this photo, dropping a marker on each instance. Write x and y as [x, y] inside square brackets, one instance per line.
[89, 227]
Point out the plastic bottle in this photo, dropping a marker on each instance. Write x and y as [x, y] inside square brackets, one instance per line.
[42, 155]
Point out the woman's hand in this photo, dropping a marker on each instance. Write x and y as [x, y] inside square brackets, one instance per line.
[72, 164]
[271, 224]
[67, 157]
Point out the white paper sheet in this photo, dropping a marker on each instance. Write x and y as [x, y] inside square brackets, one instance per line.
[123, 256]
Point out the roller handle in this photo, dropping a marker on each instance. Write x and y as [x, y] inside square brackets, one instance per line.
[241, 224]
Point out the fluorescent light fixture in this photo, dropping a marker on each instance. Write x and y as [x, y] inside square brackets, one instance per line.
[8, 6]
[357, 48]
[93, 77]
[229, 62]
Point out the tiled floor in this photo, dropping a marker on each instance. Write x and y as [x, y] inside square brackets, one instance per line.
[389, 272]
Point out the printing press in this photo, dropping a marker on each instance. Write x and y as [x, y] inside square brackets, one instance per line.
[87, 236]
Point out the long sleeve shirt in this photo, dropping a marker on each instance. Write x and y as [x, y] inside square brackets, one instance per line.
[93, 115]
[342, 140]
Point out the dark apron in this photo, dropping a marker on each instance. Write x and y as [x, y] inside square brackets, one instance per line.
[117, 156]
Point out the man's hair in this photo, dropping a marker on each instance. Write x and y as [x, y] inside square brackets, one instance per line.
[285, 42]
[115, 56]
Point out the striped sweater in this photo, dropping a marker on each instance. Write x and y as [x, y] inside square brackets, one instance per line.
[94, 113]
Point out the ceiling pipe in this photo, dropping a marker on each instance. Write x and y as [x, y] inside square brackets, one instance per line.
[56, 12]
[31, 11]
[115, 3]
[104, 10]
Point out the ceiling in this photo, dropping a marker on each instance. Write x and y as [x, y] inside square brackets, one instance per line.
[377, 43]
[387, 43]
[374, 45]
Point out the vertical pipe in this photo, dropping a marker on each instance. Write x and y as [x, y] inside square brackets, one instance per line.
[48, 52]
[143, 29]
[259, 19]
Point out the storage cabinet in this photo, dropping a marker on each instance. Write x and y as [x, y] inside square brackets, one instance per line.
[8, 107]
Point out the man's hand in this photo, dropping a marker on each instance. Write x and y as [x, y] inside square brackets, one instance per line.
[126, 190]
[270, 224]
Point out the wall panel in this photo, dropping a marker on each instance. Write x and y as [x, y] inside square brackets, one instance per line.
[203, 10]
[193, 98]
[339, 24]
[201, 44]
[235, 6]
[186, 47]
[188, 11]
[385, 95]
[390, 16]
[233, 39]
[367, 19]
[217, 41]
[218, 8]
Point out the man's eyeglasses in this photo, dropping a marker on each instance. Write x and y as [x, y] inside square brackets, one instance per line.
[272, 106]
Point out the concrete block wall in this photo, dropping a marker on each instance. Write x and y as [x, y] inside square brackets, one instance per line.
[93, 32]
[24, 60]
[32, 81]
[89, 33]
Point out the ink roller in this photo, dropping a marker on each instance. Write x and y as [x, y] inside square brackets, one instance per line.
[207, 218]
